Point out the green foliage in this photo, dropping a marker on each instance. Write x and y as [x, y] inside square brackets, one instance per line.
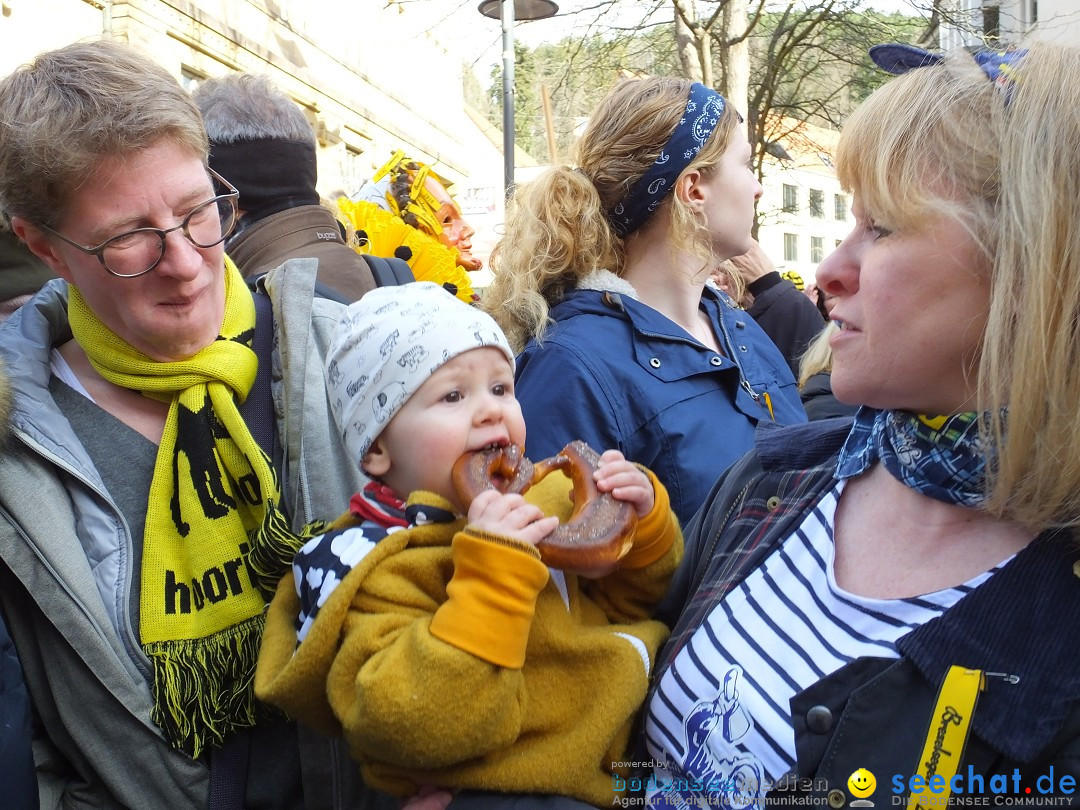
[807, 61]
[813, 66]
[866, 76]
[577, 72]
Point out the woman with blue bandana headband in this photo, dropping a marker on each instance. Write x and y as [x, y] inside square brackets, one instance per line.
[600, 283]
[889, 610]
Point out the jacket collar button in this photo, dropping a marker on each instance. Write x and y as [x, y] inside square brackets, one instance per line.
[819, 719]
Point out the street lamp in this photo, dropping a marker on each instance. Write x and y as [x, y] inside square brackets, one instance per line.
[507, 12]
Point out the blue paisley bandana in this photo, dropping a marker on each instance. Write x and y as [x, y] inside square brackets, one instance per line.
[703, 109]
[943, 457]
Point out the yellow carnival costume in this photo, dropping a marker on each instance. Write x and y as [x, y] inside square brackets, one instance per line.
[410, 232]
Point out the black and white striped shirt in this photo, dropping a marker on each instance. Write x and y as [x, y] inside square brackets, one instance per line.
[719, 726]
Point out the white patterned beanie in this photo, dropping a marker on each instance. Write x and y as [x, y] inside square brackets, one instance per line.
[387, 344]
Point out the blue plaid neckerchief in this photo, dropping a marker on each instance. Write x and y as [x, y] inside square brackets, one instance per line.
[942, 457]
[703, 109]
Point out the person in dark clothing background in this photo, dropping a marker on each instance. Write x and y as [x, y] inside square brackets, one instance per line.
[261, 142]
[815, 378]
[785, 314]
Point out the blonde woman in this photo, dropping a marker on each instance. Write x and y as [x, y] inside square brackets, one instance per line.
[892, 609]
[601, 280]
[815, 378]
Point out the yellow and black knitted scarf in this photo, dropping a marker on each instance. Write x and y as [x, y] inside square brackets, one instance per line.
[215, 538]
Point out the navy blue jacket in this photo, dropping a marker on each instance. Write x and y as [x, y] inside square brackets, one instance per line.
[618, 374]
[18, 779]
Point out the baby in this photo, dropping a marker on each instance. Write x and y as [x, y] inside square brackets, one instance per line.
[439, 644]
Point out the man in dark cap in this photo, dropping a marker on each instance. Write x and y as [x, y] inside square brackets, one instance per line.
[261, 142]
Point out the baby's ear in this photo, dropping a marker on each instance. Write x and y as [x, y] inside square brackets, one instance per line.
[376, 461]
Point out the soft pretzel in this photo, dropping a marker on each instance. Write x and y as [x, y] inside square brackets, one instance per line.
[600, 530]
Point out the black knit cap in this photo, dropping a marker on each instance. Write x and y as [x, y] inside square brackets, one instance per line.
[270, 174]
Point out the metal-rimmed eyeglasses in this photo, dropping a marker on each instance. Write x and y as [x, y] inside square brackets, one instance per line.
[137, 252]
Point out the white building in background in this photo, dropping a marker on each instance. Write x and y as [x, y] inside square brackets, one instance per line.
[803, 214]
[369, 73]
[971, 22]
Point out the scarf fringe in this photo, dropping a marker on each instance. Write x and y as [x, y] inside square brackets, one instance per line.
[191, 713]
[273, 546]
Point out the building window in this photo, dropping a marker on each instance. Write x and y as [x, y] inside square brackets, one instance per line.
[840, 207]
[1034, 11]
[353, 169]
[817, 203]
[991, 23]
[839, 242]
[190, 79]
[791, 199]
[791, 247]
[817, 249]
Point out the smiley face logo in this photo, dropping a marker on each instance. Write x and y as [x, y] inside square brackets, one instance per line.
[861, 783]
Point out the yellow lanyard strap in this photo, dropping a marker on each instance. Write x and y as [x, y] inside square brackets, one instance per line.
[946, 737]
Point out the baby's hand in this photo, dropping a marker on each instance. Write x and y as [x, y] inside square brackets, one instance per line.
[511, 516]
[625, 481]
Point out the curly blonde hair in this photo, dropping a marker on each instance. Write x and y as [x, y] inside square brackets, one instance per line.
[557, 227]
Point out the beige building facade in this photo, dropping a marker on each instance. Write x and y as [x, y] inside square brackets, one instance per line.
[368, 73]
[971, 22]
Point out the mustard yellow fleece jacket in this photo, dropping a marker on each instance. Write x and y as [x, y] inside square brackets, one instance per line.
[459, 660]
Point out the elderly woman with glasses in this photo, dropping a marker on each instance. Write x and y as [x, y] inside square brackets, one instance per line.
[887, 612]
[143, 514]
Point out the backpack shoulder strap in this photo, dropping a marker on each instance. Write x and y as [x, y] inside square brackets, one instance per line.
[320, 290]
[258, 408]
[389, 272]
